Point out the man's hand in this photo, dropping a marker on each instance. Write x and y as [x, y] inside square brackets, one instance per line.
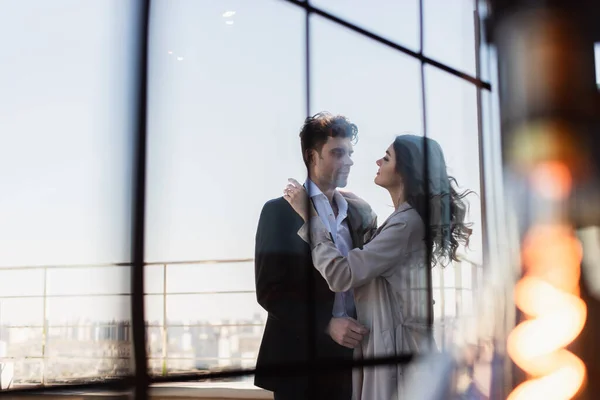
[346, 331]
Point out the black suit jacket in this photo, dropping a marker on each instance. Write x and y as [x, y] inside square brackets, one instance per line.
[283, 267]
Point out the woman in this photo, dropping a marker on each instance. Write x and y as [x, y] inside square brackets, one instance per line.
[389, 273]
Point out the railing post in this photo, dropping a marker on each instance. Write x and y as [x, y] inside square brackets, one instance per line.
[44, 325]
[458, 290]
[165, 340]
[442, 305]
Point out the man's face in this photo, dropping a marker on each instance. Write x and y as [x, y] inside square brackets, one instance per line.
[331, 166]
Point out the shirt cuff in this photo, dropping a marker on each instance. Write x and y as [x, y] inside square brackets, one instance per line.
[314, 232]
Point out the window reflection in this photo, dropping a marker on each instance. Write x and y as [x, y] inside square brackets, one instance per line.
[222, 124]
[226, 98]
[376, 87]
[65, 162]
[226, 101]
[449, 33]
[452, 121]
[397, 21]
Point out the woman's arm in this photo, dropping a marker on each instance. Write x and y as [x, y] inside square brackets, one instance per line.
[377, 257]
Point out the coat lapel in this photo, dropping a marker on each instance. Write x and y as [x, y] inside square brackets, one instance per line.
[355, 225]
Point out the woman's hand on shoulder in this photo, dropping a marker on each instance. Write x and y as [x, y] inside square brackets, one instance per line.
[295, 194]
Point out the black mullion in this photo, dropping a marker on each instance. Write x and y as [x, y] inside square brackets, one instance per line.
[277, 370]
[310, 283]
[288, 368]
[364, 32]
[117, 384]
[427, 216]
[141, 380]
[482, 184]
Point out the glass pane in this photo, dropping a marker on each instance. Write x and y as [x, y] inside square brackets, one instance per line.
[155, 366]
[378, 89]
[449, 304]
[450, 276]
[155, 342]
[206, 347]
[24, 372]
[90, 309]
[20, 342]
[95, 340]
[449, 33]
[90, 280]
[154, 309]
[22, 312]
[444, 334]
[222, 126]
[221, 277]
[436, 275]
[24, 282]
[154, 279]
[469, 273]
[68, 196]
[452, 122]
[438, 304]
[215, 309]
[66, 370]
[397, 21]
[466, 302]
[66, 128]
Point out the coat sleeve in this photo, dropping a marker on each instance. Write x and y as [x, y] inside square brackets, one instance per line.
[384, 252]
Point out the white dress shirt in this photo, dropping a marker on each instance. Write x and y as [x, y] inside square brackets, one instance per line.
[340, 233]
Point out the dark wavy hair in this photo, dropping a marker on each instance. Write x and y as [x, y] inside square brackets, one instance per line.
[437, 199]
[321, 126]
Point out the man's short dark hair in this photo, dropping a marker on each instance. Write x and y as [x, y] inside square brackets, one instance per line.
[321, 126]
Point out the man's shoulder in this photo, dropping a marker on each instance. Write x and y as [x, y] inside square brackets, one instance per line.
[361, 208]
[355, 201]
[278, 225]
[277, 204]
[277, 208]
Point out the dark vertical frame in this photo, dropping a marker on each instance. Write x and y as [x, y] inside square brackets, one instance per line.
[428, 238]
[310, 283]
[142, 380]
[480, 138]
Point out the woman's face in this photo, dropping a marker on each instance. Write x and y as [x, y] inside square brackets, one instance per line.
[387, 176]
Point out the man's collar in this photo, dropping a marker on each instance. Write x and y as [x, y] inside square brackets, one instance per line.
[341, 202]
[314, 191]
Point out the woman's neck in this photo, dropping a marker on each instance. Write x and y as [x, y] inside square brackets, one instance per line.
[397, 194]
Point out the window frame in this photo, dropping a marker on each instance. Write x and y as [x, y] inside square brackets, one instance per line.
[140, 381]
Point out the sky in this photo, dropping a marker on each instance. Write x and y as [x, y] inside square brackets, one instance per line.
[226, 102]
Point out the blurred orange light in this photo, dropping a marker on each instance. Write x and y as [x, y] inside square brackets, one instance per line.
[548, 295]
[553, 253]
[563, 383]
[551, 179]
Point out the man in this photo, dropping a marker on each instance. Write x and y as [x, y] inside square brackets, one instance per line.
[285, 274]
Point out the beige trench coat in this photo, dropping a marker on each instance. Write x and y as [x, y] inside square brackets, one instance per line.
[389, 279]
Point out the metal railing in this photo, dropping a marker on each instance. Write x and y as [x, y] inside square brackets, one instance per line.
[163, 325]
[44, 357]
